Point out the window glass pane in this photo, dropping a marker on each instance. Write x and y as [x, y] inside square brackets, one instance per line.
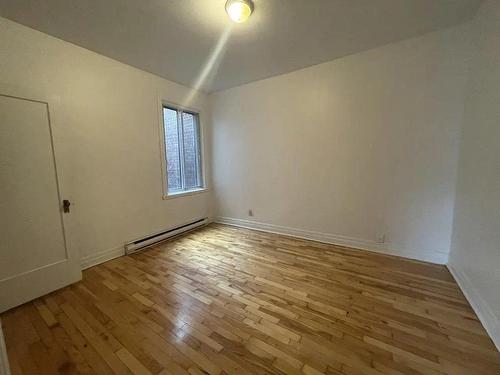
[172, 149]
[182, 150]
[190, 145]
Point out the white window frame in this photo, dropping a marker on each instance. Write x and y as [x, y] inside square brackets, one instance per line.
[163, 151]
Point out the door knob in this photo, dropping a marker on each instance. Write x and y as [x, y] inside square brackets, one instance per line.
[66, 204]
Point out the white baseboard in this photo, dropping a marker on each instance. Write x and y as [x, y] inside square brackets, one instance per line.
[357, 243]
[482, 309]
[4, 359]
[101, 257]
[108, 254]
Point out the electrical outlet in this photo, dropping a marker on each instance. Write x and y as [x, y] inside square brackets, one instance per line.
[380, 238]
[250, 212]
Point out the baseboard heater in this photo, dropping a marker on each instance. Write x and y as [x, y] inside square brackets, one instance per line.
[140, 244]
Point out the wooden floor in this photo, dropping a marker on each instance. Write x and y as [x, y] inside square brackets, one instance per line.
[224, 300]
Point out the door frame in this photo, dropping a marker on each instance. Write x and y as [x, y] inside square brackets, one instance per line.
[34, 283]
[4, 358]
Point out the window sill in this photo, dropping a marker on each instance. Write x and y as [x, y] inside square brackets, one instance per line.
[184, 193]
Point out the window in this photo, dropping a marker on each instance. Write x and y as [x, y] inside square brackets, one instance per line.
[182, 150]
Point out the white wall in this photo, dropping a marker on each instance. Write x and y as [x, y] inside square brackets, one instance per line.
[475, 254]
[350, 149]
[106, 138]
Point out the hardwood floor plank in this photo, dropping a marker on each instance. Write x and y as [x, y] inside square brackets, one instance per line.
[132, 363]
[99, 343]
[226, 300]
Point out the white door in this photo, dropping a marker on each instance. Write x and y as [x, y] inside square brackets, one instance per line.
[34, 258]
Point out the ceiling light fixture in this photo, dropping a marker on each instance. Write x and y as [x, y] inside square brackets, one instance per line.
[239, 10]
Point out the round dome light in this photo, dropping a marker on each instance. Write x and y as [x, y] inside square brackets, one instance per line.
[239, 10]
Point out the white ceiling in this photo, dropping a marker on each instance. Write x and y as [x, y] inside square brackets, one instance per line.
[175, 38]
